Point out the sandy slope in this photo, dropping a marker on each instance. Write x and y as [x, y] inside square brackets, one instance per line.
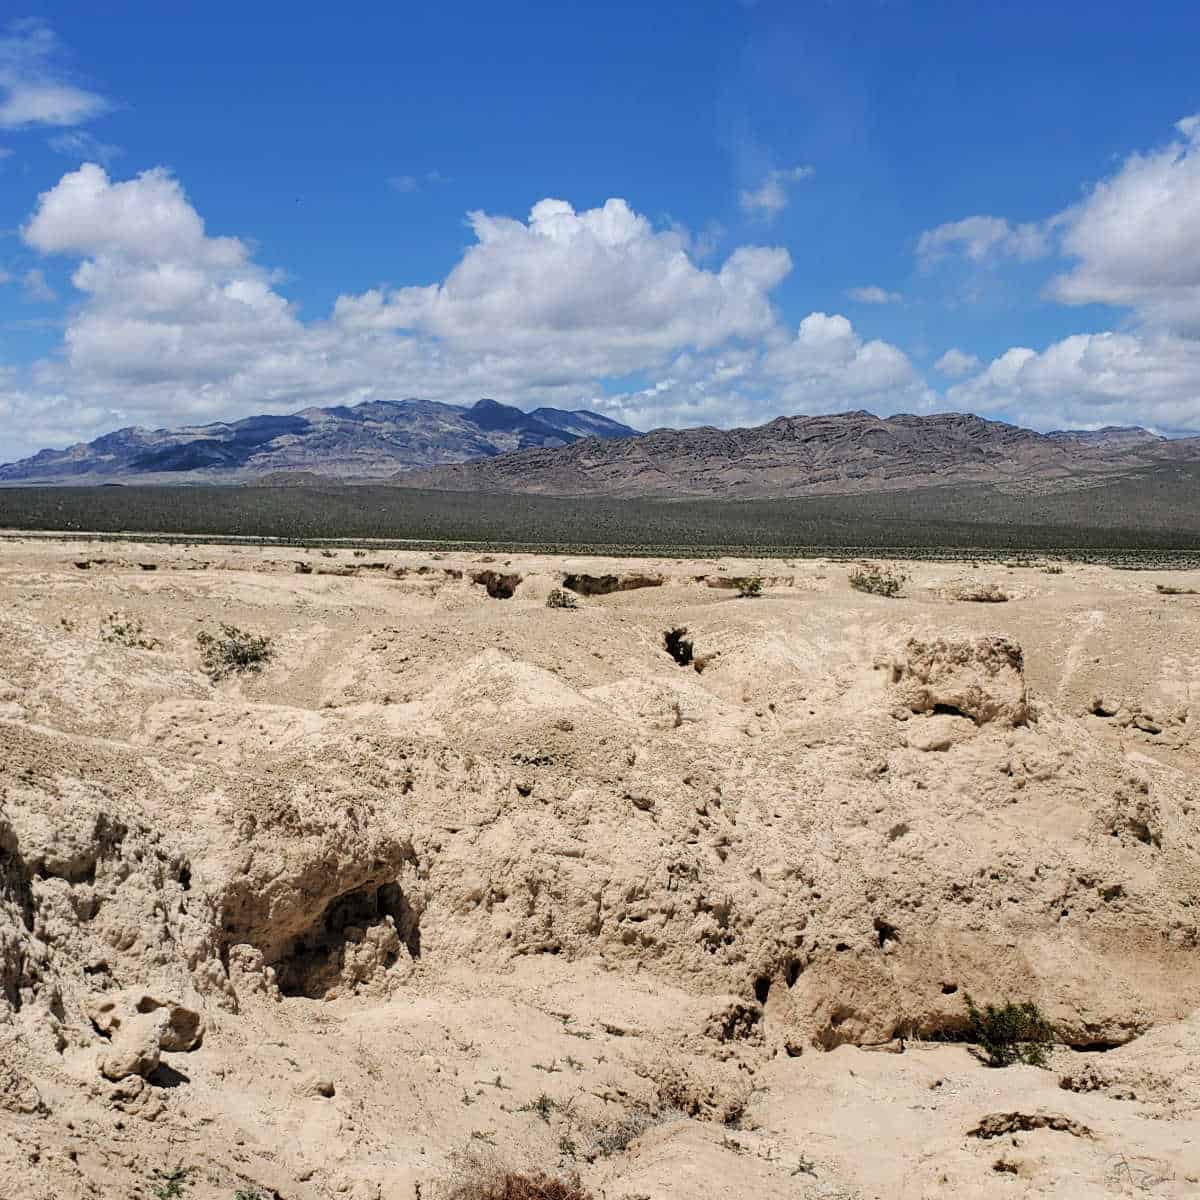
[460, 879]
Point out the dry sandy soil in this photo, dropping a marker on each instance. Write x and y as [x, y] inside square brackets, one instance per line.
[458, 880]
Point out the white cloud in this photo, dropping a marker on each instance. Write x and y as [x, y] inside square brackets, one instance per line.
[78, 143]
[825, 366]
[770, 198]
[5, 152]
[981, 237]
[956, 363]
[1091, 380]
[34, 88]
[36, 287]
[1135, 238]
[873, 294]
[601, 289]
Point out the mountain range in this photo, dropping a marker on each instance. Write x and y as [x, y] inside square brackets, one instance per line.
[842, 453]
[491, 447]
[372, 440]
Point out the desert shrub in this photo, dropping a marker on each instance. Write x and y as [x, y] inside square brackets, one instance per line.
[232, 651]
[560, 599]
[519, 1185]
[329, 554]
[1169, 589]
[1016, 1033]
[1052, 569]
[982, 593]
[749, 588]
[127, 631]
[879, 581]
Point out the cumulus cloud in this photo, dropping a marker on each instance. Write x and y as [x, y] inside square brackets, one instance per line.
[1135, 238]
[602, 288]
[34, 87]
[981, 237]
[874, 295]
[771, 196]
[956, 363]
[1091, 380]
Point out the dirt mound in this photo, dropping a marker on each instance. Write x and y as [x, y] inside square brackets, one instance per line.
[981, 678]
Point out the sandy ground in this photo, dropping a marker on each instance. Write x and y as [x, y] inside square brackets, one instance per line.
[458, 881]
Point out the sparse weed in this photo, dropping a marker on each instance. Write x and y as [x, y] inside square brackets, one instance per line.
[749, 587]
[1016, 1033]
[1170, 589]
[877, 580]
[232, 651]
[542, 1105]
[123, 630]
[561, 599]
[169, 1183]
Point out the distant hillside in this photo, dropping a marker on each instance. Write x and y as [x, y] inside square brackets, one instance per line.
[372, 440]
[843, 453]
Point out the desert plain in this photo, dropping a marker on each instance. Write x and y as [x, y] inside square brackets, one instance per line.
[458, 882]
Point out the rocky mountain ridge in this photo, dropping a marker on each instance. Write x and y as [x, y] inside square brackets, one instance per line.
[813, 455]
[372, 440]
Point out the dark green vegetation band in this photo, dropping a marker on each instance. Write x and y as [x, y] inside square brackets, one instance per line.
[1147, 520]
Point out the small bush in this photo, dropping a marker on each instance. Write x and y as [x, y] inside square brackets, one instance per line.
[1169, 589]
[1016, 1033]
[232, 651]
[520, 1185]
[982, 593]
[1052, 569]
[879, 581]
[749, 588]
[560, 599]
[128, 631]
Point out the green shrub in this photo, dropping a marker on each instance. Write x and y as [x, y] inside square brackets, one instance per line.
[879, 581]
[749, 588]
[1016, 1033]
[232, 651]
[128, 631]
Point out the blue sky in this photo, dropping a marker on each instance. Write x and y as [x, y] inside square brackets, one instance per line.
[682, 213]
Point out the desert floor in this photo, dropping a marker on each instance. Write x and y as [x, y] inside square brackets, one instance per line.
[460, 881]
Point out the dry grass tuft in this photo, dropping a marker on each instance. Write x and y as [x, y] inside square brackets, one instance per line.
[503, 1184]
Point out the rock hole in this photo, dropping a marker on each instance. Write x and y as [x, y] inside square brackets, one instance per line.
[185, 877]
[602, 585]
[949, 710]
[841, 947]
[762, 989]
[379, 915]
[499, 587]
[885, 933]
[948, 989]
[678, 645]
[792, 972]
